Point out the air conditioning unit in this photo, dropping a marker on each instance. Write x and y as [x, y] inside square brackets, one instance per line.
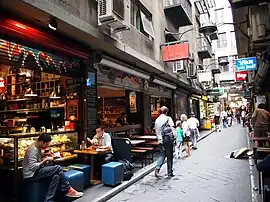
[180, 66]
[259, 19]
[114, 14]
[192, 71]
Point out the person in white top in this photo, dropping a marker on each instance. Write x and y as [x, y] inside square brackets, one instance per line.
[224, 117]
[193, 125]
[186, 133]
[165, 141]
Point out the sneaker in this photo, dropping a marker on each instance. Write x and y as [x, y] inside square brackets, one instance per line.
[157, 173]
[72, 193]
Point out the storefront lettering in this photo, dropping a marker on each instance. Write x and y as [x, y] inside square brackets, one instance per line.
[19, 53]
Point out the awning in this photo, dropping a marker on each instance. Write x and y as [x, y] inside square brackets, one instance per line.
[120, 66]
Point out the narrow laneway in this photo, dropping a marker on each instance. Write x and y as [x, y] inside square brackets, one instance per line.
[204, 177]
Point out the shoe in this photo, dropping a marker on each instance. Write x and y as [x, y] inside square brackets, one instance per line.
[157, 173]
[171, 175]
[72, 193]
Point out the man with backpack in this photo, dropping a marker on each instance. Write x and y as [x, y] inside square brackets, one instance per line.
[165, 132]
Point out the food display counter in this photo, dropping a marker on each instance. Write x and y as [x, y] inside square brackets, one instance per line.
[13, 147]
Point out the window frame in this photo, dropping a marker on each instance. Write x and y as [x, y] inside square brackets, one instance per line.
[137, 13]
[222, 43]
[217, 14]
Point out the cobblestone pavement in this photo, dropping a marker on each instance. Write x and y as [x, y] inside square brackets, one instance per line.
[206, 176]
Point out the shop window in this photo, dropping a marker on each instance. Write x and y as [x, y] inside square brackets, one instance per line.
[141, 18]
[35, 100]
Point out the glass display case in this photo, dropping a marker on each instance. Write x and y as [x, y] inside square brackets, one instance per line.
[14, 146]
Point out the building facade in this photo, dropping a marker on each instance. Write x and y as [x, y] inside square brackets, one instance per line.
[225, 46]
[131, 47]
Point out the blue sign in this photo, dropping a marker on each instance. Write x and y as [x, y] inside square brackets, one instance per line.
[246, 64]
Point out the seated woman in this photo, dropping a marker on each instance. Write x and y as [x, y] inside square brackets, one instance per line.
[36, 168]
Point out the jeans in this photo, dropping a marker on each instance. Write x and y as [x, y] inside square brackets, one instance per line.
[224, 123]
[57, 179]
[179, 148]
[166, 150]
[194, 134]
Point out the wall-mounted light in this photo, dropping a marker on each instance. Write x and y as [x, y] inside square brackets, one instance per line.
[53, 24]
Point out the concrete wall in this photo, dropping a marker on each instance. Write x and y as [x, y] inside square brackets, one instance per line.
[83, 13]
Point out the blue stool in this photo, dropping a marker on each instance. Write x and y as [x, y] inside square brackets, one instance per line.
[112, 173]
[35, 191]
[86, 172]
[76, 179]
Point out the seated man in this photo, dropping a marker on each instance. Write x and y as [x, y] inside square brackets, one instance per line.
[36, 168]
[103, 139]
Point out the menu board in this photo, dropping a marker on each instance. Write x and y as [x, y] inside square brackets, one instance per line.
[91, 99]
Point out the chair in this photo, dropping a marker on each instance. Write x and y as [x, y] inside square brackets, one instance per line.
[121, 148]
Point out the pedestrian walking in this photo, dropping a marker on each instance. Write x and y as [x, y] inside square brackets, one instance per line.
[217, 122]
[186, 134]
[224, 117]
[165, 131]
[193, 125]
[243, 116]
[179, 140]
[261, 121]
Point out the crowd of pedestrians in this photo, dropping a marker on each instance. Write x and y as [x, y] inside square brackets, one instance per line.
[172, 137]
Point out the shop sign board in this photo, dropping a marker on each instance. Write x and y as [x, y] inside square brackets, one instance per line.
[2, 84]
[215, 91]
[175, 52]
[246, 64]
[132, 102]
[241, 76]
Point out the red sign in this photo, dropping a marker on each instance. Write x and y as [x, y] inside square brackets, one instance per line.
[241, 76]
[2, 85]
[175, 52]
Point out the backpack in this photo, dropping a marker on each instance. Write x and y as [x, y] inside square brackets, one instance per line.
[128, 169]
[166, 132]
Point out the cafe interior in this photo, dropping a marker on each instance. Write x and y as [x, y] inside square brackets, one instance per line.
[35, 101]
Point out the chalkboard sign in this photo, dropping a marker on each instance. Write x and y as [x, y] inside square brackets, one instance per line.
[73, 85]
[72, 110]
[91, 99]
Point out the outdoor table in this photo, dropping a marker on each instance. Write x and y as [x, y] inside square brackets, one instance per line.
[135, 142]
[91, 153]
[144, 137]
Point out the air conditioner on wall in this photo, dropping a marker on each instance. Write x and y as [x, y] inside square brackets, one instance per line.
[114, 14]
[180, 66]
[259, 19]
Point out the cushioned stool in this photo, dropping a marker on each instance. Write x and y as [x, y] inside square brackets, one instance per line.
[112, 173]
[86, 172]
[76, 179]
[34, 191]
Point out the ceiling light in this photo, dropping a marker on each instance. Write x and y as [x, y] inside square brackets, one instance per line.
[53, 24]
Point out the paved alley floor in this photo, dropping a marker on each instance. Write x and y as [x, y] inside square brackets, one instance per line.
[206, 176]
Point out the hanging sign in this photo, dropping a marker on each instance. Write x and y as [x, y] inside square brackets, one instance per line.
[241, 76]
[175, 52]
[2, 85]
[246, 64]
